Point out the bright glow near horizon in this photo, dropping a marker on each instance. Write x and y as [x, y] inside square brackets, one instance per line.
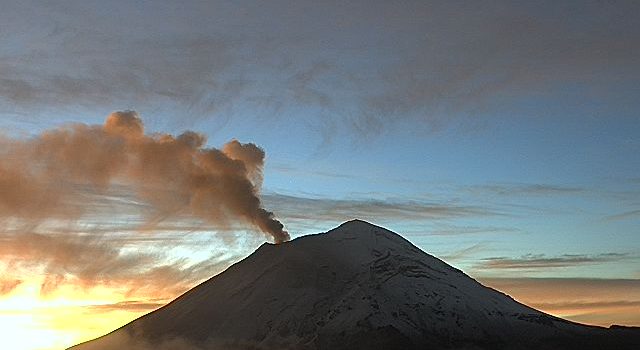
[31, 321]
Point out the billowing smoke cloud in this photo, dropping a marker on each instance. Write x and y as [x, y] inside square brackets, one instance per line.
[42, 177]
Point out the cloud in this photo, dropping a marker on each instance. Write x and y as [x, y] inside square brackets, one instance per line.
[526, 190]
[497, 49]
[629, 215]
[572, 305]
[594, 301]
[448, 230]
[113, 67]
[86, 261]
[326, 209]
[286, 169]
[366, 66]
[129, 305]
[541, 261]
[7, 285]
[464, 253]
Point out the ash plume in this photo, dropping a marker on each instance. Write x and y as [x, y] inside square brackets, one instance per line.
[40, 176]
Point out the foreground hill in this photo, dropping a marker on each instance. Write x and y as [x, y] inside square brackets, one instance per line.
[358, 286]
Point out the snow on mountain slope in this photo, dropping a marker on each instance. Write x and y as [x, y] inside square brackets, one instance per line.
[357, 286]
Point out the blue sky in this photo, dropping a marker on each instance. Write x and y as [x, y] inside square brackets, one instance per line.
[503, 137]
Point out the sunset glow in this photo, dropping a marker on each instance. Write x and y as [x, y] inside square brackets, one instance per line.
[57, 321]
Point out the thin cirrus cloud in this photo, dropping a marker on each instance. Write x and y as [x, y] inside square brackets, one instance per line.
[465, 252]
[127, 254]
[628, 215]
[526, 190]
[86, 261]
[328, 209]
[542, 261]
[129, 305]
[470, 230]
[366, 65]
[572, 305]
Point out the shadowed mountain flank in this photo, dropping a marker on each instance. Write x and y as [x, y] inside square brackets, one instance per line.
[358, 286]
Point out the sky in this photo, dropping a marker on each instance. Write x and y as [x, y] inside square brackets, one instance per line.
[501, 137]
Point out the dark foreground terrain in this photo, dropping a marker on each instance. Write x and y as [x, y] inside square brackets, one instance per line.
[358, 286]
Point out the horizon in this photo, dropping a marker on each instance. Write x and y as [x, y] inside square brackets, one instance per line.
[146, 147]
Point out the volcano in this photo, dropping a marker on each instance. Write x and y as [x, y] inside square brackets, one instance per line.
[358, 286]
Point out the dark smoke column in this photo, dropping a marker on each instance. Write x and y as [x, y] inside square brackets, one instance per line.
[252, 158]
[217, 185]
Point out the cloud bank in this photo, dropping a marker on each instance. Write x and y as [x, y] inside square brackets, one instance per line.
[366, 66]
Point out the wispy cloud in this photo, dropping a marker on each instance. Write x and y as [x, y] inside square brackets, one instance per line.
[87, 261]
[469, 230]
[320, 173]
[124, 254]
[8, 284]
[542, 261]
[589, 305]
[129, 305]
[632, 214]
[465, 252]
[326, 209]
[525, 189]
[202, 67]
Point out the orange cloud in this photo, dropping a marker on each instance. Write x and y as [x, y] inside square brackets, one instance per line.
[8, 285]
[593, 301]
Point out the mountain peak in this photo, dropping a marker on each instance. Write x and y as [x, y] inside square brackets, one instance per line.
[352, 243]
[357, 227]
[356, 223]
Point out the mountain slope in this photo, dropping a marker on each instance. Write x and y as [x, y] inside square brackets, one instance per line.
[357, 286]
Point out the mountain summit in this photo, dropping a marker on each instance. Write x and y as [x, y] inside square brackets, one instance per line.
[358, 286]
